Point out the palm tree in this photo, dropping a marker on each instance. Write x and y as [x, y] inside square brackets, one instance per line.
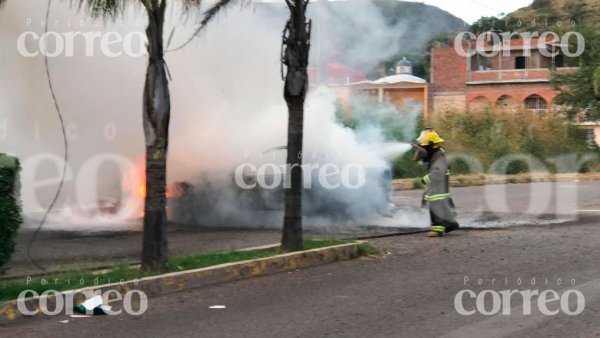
[296, 45]
[156, 117]
[296, 42]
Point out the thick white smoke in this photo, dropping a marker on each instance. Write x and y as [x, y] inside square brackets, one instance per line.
[227, 109]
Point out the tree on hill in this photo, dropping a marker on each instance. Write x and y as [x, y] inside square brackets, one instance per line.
[580, 90]
[537, 4]
[488, 23]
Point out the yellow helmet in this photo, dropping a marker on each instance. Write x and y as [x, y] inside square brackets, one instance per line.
[428, 137]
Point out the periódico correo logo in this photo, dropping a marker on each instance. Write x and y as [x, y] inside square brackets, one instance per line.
[53, 44]
[64, 302]
[491, 302]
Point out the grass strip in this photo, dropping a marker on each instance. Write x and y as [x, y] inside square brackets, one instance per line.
[121, 272]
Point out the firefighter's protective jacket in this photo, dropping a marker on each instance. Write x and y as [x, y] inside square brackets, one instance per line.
[437, 178]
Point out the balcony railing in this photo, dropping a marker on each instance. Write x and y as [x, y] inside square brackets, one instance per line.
[516, 75]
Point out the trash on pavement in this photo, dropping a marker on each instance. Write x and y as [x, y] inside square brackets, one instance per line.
[93, 306]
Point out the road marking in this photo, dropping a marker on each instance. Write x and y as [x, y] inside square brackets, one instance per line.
[588, 210]
[217, 307]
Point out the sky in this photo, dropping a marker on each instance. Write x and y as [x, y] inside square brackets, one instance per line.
[472, 10]
[468, 10]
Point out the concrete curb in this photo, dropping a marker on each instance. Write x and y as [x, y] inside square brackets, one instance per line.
[183, 280]
[478, 180]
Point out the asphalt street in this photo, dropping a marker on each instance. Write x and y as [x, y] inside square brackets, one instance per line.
[411, 290]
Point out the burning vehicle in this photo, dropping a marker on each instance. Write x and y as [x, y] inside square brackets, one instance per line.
[255, 198]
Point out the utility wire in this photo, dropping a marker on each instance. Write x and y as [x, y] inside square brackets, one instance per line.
[66, 148]
[488, 7]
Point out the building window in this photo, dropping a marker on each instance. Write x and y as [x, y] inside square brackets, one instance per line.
[521, 62]
[480, 62]
[536, 104]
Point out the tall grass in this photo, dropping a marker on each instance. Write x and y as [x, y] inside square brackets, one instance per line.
[490, 136]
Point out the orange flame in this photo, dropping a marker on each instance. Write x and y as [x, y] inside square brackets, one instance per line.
[135, 182]
[142, 190]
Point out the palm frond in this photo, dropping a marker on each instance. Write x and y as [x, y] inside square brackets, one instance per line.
[191, 4]
[208, 16]
[216, 9]
[107, 9]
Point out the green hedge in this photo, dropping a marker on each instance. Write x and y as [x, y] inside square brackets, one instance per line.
[10, 207]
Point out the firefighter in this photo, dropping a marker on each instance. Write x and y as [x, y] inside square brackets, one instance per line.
[437, 193]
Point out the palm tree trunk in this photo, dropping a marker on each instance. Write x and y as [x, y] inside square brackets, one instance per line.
[157, 110]
[296, 85]
[292, 222]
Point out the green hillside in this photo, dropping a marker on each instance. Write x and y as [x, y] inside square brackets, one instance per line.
[554, 11]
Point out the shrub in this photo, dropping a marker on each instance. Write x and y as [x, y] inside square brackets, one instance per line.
[10, 207]
[516, 167]
[489, 136]
[460, 166]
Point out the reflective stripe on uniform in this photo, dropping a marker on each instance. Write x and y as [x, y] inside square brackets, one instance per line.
[426, 179]
[438, 228]
[437, 197]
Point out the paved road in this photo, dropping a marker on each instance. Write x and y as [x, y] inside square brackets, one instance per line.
[410, 292]
[515, 204]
